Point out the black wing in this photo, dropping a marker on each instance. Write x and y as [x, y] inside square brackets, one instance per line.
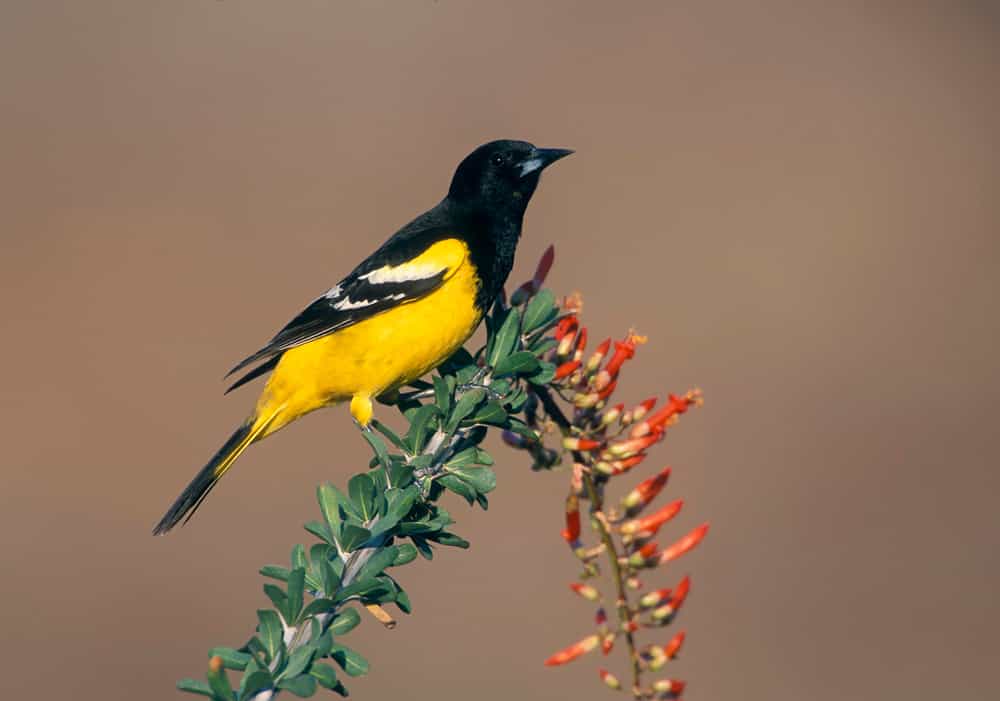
[381, 282]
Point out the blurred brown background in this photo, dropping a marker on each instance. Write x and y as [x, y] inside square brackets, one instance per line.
[797, 202]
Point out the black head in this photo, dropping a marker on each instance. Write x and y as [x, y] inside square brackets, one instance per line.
[501, 176]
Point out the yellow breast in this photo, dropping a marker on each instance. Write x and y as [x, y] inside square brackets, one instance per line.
[387, 350]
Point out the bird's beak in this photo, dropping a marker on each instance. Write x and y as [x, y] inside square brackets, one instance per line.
[541, 158]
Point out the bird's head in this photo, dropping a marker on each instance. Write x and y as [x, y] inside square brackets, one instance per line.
[502, 175]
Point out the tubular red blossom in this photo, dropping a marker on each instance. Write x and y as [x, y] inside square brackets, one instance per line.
[573, 651]
[623, 351]
[651, 524]
[607, 644]
[643, 555]
[609, 679]
[674, 646]
[566, 325]
[669, 686]
[566, 369]
[647, 490]
[597, 358]
[683, 545]
[669, 412]
[586, 591]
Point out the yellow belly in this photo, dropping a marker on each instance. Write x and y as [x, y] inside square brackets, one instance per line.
[376, 355]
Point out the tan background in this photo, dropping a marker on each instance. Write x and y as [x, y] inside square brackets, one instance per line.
[798, 203]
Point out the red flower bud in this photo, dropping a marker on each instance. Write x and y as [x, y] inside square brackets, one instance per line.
[573, 651]
[647, 490]
[643, 409]
[669, 686]
[581, 344]
[566, 325]
[544, 265]
[597, 358]
[571, 534]
[681, 592]
[586, 591]
[683, 545]
[609, 416]
[609, 679]
[607, 644]
[654, 598]
[622, 466]
[608, 391]
[651, 524]
[674, 646]
[566, 369]
[573, 443]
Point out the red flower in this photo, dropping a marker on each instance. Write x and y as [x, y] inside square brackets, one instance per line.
[639, 497]
[573, 651]
[683, 545]
[651, 524]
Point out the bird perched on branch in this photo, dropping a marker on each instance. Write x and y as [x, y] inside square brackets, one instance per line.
[399, 314]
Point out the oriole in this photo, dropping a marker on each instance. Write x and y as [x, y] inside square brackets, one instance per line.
[400, 313]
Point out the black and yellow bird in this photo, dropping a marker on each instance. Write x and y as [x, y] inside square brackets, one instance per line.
[400, 313]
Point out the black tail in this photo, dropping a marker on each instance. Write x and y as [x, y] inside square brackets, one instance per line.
[192, 496]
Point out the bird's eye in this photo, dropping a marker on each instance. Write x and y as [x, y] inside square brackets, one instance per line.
[497, 159]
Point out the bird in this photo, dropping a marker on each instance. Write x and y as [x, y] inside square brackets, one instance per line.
[400, 313]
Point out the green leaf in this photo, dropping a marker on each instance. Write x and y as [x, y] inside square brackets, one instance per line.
[389, 433]
[195, 686]
[254, 683]
[361, 588]
[298, 556]
[455, 484]
[231, 659]
[491, 413]
[278, 597]
[378, 446]
[317, 606]
[346, 621]
[544, 374]
[482, 479]
[379, 561]
[219, 681]
[351, 662]
[405, 553]
[518, 363]
[543, 345]
[329, 577]
[298, 661]
[421, 425]
[331, 500]
[399, 474]
[321, 531]
[540, 311]
[275, 572]
[270, 632]
[451, 540]
[403, 601]
[324, 674]
[442, 395]
[303, 685]
[505, 338]
[353, 537]
[296, 589]
[361, 489]
[466, 404]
